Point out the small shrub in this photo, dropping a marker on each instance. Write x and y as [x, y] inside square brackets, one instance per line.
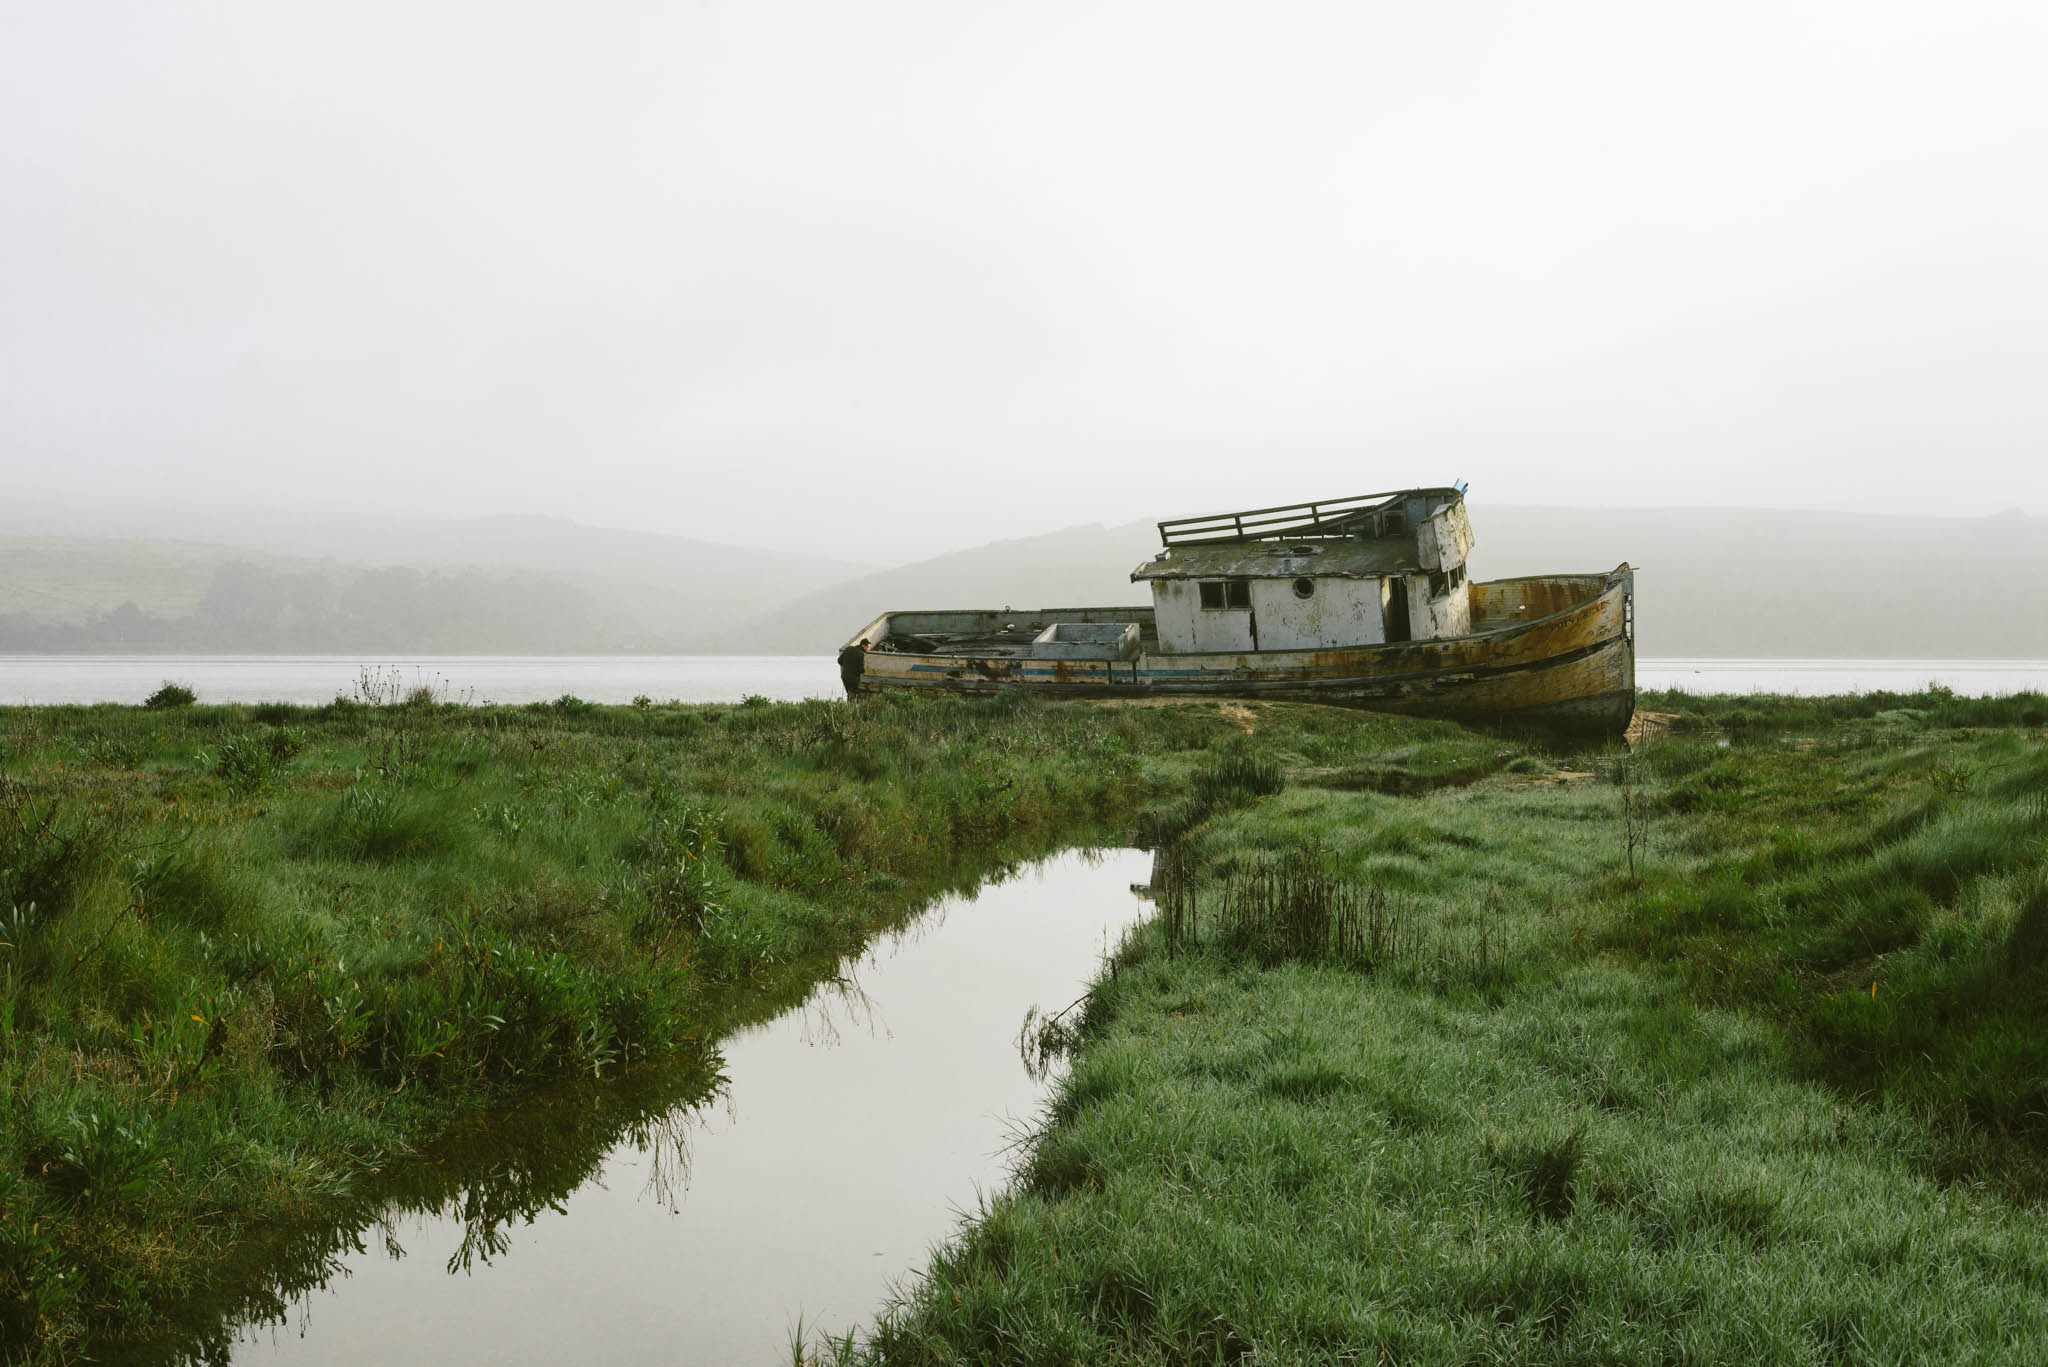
[107, 1158]
[248, 763]
[46, 851]
[170, 695]
[109, 750]
[680, 891]
[382, 827]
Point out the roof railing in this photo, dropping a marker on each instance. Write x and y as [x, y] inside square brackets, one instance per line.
[1324, 518]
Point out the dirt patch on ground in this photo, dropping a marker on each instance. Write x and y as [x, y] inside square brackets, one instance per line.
[1557, 776]
[1244, 715]
[1241, 713]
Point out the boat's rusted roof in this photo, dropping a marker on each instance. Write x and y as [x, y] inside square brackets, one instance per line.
[1343, 518]
[1284, 560]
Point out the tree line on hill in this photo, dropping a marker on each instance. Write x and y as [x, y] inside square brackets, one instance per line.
[394, 609]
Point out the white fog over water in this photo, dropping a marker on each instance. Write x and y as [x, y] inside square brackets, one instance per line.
[46, 680]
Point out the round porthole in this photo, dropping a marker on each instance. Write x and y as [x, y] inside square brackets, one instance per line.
[1304, 588]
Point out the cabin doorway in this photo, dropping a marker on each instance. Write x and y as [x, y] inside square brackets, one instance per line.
[1395, 609]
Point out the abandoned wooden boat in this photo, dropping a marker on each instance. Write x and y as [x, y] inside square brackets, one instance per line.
[1362, 601]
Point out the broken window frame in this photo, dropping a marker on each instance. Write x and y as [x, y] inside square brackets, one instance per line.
[1225, 595]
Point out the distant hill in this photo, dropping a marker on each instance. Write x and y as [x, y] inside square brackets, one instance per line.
[653, 591]
[503, 583]
[1077, 567]
[146, 597]
[1713, 582]
[75, 578]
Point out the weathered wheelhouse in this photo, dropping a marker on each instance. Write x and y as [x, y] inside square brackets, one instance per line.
[1354, 572]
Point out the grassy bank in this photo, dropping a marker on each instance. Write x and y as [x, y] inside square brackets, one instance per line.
[253, 957]
[1445, 1046]
[1725, 1048]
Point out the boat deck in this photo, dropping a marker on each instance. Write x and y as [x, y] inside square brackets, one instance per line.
[1006, 634]
[1012, 641]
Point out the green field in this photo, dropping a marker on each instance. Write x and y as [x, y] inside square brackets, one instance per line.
[1730, 1048]
[1446, 1045]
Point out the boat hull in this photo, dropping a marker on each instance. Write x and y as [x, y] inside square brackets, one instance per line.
[1557, 651]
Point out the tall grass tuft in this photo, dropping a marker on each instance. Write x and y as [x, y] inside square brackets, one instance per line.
[1293, 909]
[1546, 1169]
[375, 824]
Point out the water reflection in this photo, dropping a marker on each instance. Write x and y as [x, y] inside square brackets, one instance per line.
[693, 1212]
[490, 1176]
[838, 996]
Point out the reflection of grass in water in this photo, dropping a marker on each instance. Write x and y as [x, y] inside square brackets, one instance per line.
[1669, 1120]
[494, 1172]
[290, 964]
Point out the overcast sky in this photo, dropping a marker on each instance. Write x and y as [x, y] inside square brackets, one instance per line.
[887, 279]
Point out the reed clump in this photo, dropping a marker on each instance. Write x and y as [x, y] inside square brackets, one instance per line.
[1296, 908]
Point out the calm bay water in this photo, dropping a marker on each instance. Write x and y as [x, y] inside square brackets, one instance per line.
[312, 679]
[849, 1136]
[47, 679]
[1973, 678]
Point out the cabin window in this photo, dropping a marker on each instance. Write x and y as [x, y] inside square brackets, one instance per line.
[1226, 593]
[1439, 584]
[1304, 588]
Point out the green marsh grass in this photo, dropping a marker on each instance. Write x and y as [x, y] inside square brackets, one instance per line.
[1725, 1048]
[251, 957]
[1469, 1046]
